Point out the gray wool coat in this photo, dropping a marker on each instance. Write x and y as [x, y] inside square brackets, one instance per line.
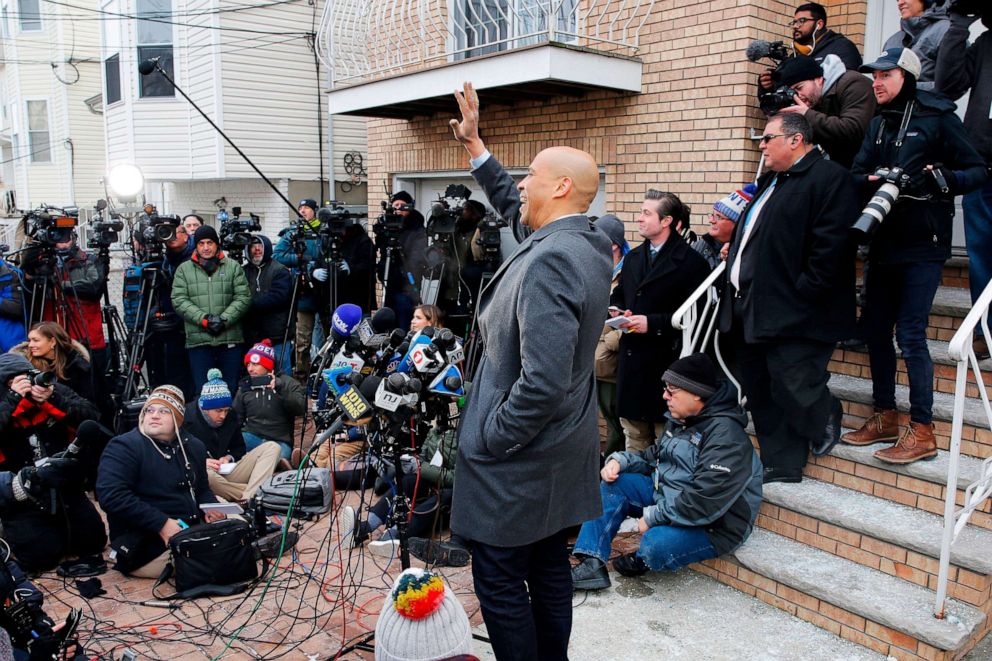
[528, 450]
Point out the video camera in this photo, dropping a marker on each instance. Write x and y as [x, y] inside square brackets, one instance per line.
[25, 621]
[447, 211]
[781, 96]
[103, 233]
[390, 223]
[490, 237]
[235, 231]
[51, 225]
[335, 219]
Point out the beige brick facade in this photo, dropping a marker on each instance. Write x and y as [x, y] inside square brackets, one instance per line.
[688, 131]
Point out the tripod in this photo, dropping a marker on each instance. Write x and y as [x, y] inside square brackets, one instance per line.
[115, 327]
[151, 275]
[474, 341]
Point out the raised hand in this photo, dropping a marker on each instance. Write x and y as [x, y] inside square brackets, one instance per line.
[466, 131]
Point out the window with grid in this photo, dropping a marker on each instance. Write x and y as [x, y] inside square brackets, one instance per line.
[154, 34]
[39, 140]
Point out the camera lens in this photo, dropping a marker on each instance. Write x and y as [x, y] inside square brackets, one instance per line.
[877, 209]
[165, 232]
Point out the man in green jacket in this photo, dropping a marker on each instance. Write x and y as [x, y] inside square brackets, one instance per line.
[211, 294]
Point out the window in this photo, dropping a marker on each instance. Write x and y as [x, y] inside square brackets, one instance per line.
[488, 26]
[112, 74]
[155, 40]
[39, 141]
[29, 13]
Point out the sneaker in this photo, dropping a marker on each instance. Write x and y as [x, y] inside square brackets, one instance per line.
[590, 574]
[347, 523]
[630, 564]
[439, 554]
[387, 546]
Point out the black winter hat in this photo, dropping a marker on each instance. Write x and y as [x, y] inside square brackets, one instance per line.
[205, 232]
[797, 69]
[403, 196]
[694, 373]
[308, 202]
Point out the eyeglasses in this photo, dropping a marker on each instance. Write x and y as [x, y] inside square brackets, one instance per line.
[799, 22]
[768, 137]
[672, 391]
[718, 216]
[158, 410]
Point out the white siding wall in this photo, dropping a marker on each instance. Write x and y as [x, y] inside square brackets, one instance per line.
[251, 195]
[201, 60]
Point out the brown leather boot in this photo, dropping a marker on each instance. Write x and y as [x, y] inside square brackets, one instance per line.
[881, 426]
[916, 443]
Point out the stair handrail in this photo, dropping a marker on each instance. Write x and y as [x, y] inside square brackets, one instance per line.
[697, 319]
[962, 352]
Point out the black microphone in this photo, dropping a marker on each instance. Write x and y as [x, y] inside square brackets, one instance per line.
[91, 434]
[330, 431]
[383, 321]
[147, 66]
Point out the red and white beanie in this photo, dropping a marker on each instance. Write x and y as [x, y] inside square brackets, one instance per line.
[262, 354]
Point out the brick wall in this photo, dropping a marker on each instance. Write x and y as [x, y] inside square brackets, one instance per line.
[686, 132]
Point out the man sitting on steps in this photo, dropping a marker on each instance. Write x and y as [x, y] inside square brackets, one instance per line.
[697, 489]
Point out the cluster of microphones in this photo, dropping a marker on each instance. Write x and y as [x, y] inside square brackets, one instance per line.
[369, 367]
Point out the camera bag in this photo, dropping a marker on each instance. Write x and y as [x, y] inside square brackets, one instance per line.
[213, 559]
[313, 497]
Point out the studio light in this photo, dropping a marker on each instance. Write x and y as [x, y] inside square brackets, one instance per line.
[125, 181]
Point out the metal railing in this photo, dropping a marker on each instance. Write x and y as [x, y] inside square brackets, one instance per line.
[697, 318]
[360, 40]
[962, 352]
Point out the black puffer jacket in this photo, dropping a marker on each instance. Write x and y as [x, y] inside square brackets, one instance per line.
[961, 67]
[271, 286]
[269, 413]
[834, 43]
[409, 265]
[918, 229]
[219, 441]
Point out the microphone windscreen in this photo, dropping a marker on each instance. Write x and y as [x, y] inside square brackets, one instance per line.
[384, 320]
[346, 319]
[324, 214]
[758, 49]
[369, 385]
[91, 434]
[146, 67]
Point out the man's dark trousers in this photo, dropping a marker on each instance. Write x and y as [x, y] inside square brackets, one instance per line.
[531, 622]
[786, 386]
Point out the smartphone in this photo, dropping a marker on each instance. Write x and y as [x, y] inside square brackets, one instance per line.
[260, 381]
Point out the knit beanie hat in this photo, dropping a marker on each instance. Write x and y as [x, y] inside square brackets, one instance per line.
[205, 232]
[308, 202]
[170, 397]
[262, 354]
[797, 69]
[215, 393]
[694, 373]
[732, 205]
[421, 620]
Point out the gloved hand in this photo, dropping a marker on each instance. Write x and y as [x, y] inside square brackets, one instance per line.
[344, 267]
[409, 464]
[320, 275]
[215, 324]
[35, 481]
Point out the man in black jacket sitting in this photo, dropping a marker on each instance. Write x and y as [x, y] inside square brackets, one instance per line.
[151, 483]
[211, 420]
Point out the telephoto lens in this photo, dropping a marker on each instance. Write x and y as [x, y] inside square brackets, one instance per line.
[875, 211]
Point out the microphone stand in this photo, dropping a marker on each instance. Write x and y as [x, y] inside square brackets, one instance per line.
[148, 66]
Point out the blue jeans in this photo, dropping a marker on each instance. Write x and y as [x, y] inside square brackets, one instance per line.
[901, 295]
[286, 366]
[662, 547]
[225, 358]
[252, 441]
[977, 206]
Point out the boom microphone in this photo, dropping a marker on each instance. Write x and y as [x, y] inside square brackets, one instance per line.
[344, 322]
[147, 66]
[91, 434]
[383, 321]
[759, 48]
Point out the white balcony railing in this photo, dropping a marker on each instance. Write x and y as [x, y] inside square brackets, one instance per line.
[361, 40]
[955, 519]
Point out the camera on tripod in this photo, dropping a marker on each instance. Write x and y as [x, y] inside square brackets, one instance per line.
[235, 231]
[490, 238]
[446, 212]
[51, 225]
[335, 219]
[879, 206]
[390, 223]
[103, 233]
[781, 96]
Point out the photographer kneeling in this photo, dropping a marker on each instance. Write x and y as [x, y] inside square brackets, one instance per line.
[919, 149]
[45, 514]
[151, 482]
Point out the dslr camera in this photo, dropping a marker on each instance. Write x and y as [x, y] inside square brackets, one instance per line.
[39, 378]
[781, 96]
[894, 179]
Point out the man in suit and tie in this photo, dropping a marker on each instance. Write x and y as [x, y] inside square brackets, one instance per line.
[789, 296]
[658, 276]
[528, 451]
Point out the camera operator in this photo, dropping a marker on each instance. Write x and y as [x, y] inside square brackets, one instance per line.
[271, 286]
[838, 104]
[11, 307]
[922, 26]
[308, 301]
[211, 294]
[355, 278]
[165, 344]
[406, 265]
[918, 132]
[961, 67]
[49, 516]
[151, 483]
[810, 37]
[462, 268]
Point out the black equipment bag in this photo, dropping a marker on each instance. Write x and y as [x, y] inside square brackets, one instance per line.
[213, 559]
[313, 497]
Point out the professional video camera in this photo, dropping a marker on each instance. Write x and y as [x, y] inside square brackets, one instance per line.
[25, 621]
[235, 231]
[446, 212]
[103, 233]
[490, 237]
[50, 225]
[781, 96]
[335, 219]
[389, 225]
